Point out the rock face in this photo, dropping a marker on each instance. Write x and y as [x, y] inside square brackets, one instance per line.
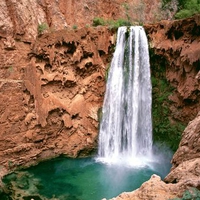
[186, 160]
[51, 92]
[154, 189]
[20, 18]
[176, 43]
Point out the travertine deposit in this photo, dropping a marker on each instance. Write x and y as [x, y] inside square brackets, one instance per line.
[176, 44]
[51, 91]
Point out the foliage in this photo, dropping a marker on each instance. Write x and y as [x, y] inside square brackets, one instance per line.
[188, 8]
[107, 72]
[74, 27]
[192, 194]
[99, 114]
[10, 68]
[164, 2]
[116, 24]
[10, 164]
[42, 27]
[97, 21]
[113, 24]
[164, 130]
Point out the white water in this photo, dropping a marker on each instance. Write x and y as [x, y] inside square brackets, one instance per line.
[126, 127]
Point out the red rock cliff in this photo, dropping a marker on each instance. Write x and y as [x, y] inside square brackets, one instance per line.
[20, 19]
[176, 43]
[51, 92]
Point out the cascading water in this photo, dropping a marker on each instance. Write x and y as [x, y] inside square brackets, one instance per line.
[126, 126]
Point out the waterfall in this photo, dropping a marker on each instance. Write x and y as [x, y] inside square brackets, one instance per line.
[126, 125]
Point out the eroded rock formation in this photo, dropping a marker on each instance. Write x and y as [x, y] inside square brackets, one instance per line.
[52, 86]
[51, 92]
[177, 45]
[186, 160]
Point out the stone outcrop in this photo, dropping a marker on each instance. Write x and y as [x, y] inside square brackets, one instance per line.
[186, 160]
[51, 91]
[176, 43]
[154, 189]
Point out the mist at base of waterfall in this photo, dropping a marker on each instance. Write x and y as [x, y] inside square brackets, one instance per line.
[86, 178]
[158, 160]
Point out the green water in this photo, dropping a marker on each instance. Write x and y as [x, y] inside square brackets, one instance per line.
[79, 179]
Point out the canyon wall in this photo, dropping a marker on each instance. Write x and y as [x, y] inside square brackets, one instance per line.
[174, 52]
[20, 18]
[51, 91]
[176, 44]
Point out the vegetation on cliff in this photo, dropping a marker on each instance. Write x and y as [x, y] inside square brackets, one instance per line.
[112, 24]
[165, 130]
[188, 8]
[192, 193]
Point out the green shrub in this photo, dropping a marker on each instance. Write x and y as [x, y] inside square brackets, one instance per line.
[116, 24]
[191, 194]
[74, 27]
[107, 72]
[164, 2]
[42, 27]
[112, 24]
[165, 130]
[10, 68]
[97, 21]
[188, 8]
